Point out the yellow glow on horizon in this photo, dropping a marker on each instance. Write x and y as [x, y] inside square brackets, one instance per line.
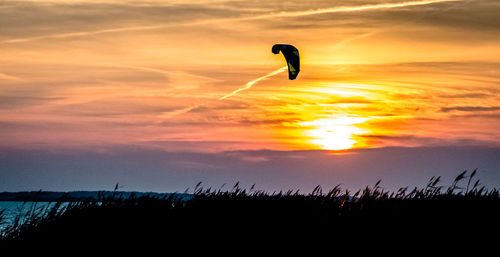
[336, 133]
[341, 116]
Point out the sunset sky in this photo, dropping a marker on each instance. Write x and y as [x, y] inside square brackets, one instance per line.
[159, 95]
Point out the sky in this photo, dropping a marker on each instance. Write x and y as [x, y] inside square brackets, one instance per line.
[159, 95]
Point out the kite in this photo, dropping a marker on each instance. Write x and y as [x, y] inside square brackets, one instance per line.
[291, 56]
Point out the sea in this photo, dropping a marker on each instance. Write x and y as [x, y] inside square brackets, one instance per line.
[12, 210]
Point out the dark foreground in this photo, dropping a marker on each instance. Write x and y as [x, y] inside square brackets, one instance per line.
[462, 210]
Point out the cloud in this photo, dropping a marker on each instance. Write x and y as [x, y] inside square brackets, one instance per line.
[200, 106]
[470, 108]
[194, 11]
[467, 95]
[423, 141]
[4, 76]
[112, 107]
[112, 16]
[349, 9]
[15, 102]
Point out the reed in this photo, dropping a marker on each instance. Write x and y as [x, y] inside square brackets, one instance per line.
[218, 212]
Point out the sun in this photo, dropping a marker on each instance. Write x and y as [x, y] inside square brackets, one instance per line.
[336, 133]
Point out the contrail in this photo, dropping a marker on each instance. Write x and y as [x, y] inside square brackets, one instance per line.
[248, 85]
[181, 111]
[258, 17]
[348, 9]
[349, 40]
[251, 83]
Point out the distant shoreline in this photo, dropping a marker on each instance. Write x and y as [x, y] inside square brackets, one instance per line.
[53, 196]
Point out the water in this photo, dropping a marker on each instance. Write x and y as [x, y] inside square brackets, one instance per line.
[15, 209]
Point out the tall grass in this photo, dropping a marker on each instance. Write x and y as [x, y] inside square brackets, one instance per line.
[219, 212]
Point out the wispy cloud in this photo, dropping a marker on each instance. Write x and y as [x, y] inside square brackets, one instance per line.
[470, 108]
[247, 86]
[84, 33]
[4, 76]
[349, 9]
[226, 20]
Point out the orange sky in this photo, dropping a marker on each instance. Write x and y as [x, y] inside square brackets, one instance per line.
[161, 74]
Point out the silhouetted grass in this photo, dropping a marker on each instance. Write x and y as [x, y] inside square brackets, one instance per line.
[464, 206]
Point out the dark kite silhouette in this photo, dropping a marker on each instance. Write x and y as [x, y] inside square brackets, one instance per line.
[291, 56]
